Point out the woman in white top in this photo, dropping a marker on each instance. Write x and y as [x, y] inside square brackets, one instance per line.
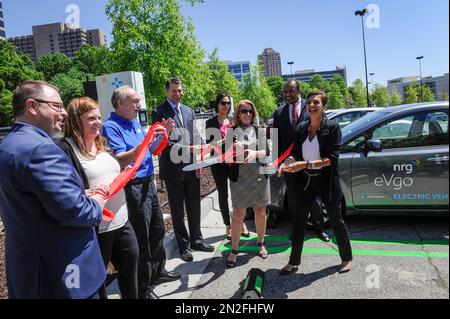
[85, 145]
[315, 160]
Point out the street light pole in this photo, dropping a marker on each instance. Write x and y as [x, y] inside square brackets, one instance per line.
[291, 63]
[421, 81]
[373, 85]
[361, 13]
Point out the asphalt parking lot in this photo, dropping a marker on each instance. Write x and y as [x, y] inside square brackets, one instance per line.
[394, 258]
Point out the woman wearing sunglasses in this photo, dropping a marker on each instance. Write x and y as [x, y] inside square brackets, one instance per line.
[249, 184]
[315, 159]
[223, 123]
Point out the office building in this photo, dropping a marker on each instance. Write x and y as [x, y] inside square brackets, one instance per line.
[437, 84]
[240, 70]
[2, 23]
[306, 75]
[57, 37]
[271, 62]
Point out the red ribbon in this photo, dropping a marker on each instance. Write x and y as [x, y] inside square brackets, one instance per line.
[127, 175]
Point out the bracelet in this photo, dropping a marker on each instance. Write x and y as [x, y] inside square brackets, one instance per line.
[307, 165]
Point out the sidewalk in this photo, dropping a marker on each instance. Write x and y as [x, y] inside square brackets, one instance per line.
[214, 233]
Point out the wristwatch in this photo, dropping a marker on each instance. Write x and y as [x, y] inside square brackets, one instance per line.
[311, 165]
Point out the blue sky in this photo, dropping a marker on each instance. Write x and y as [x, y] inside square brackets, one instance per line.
[318, 35]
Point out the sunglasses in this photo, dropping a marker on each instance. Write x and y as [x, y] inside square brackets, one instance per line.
[251, 112]
[225, 103]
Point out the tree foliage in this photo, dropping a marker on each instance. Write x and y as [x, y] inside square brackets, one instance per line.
[70, 84]
[53, 64]
[93, 60]
[412, 94]
[395, 98]
[14, 69]
[358, 92]
[223, 81]
[257, 90]
[335, 97]
[276, 85]
[152, 37]
[381, 96]
[318, 82]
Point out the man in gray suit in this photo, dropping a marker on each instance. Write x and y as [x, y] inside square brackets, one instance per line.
[182, 187]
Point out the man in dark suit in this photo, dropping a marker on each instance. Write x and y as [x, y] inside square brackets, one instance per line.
[286, 119]
[51, 246]
[182, 187]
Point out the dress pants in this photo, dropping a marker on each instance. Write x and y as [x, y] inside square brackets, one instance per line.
[316, 206]
[146, 217]
[185, 189]
[120, 247]
[219, 172]
[302, 204]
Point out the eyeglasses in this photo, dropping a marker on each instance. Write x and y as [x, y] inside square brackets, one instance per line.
[251, 112]
[57, 106]
[225, 103]
[315, 102]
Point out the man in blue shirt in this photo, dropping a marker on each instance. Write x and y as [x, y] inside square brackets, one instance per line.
[125, 135]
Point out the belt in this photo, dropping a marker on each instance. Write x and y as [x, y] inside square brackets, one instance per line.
[140, 181]
[311, 173]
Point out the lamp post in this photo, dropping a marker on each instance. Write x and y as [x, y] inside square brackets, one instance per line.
[421, 81]
[291, 64]
[361, 13]
[373, 86]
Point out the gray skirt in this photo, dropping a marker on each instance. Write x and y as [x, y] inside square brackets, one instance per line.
[252, 188]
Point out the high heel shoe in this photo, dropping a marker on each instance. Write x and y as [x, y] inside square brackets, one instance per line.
[285, 272]
[230, 263]
[263, 255]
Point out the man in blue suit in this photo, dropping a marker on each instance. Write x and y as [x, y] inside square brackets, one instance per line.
[182, 187]
[51, 245]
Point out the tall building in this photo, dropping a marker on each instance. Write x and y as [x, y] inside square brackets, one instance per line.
[437, 84]
[239, 69]
[2, 23]
[57, 37]
[271, 61]
[306, 75]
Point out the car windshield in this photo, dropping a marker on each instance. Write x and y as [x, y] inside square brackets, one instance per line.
[363, 122]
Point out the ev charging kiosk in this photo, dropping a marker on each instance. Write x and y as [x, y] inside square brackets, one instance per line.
[106, 84]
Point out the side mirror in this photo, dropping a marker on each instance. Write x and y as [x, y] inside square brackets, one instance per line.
[374, 146]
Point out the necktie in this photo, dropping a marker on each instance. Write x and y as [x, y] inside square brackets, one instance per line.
[295, 116]
[180, 117]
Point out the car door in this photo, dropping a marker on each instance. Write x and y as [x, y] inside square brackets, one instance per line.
[412, 170]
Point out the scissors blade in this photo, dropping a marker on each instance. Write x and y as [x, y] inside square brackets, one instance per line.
[204, 164]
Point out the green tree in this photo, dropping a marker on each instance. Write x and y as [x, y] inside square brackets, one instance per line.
[152, 37]
[93, 60]
[395, 98]
[53, 64]
[257, 90]
[223, 81]
[317, 82]
[444, 96]
[381, 96]
[70, 84]
[276, 85]
[358, 92]
[428, 95]
[412, 94]
[305, 89]
[335, 97]
[14, 69]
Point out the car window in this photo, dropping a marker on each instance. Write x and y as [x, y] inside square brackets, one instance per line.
[345, 119]
[421, 129]
[354, 144]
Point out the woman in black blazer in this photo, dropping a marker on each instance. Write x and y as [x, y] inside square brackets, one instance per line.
[222, 123]
[315, 160]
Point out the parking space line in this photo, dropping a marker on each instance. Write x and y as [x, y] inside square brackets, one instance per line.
[356, 252]
[359, 241]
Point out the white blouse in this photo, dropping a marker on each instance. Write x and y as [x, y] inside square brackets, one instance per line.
[311, 150]
[103, 170]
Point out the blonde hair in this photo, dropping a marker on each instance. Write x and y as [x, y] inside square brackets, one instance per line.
[237, 113]
[73, 128]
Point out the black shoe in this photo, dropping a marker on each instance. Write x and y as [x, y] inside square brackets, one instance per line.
[323, 236]
[149, 294]
[203, 247]
[186, 256]
[167, 276]
[284, 272]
